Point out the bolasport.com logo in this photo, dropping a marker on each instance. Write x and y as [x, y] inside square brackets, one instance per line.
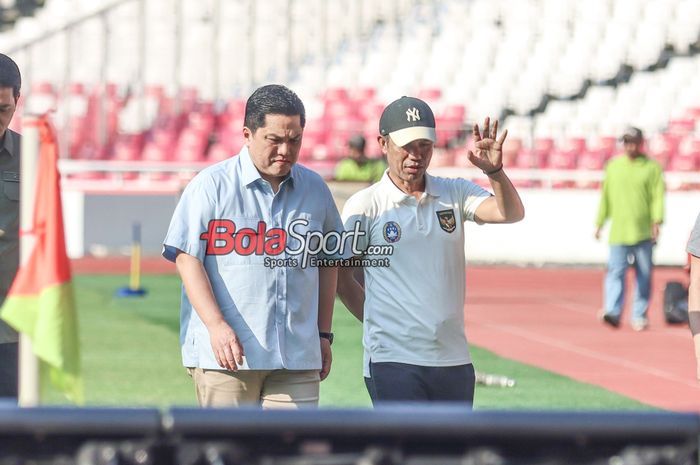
[301, 247]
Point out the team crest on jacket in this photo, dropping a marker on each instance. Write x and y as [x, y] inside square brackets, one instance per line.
[392, 231]
[447, 220]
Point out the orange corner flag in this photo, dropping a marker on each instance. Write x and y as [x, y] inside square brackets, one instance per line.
[40, 302]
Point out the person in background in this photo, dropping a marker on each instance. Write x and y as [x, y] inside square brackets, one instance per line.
[415, 347]
[357, 167]
[253, 332]
[632, 198]
[10, 85]
[694, 290]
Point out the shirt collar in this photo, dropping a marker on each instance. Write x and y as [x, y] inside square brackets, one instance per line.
[250, 174]
[431, 187]
[8, 143]
[396, 195]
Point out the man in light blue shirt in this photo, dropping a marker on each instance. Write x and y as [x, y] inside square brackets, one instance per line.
[243, 237]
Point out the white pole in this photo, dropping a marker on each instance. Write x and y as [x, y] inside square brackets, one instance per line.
[28, 363]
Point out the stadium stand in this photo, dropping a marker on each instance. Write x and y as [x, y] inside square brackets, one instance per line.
[166, 80]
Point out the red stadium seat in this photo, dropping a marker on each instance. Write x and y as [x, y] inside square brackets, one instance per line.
[591, 160]
[511, 148]
[562, 160]
[442, 157]
[335, 94]
[577, 145]
[338, 110]
[543, 144]
[218, 152]
[529, 158]
[605, 144]
[155, 152]
[371, 112]
[454, 111]
[681, 126]
[683, 163]
[364, 94]
[128, 147]
[190, 146]
[686, 163]
[430, 94]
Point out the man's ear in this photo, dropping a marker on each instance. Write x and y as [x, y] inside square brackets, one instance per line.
[383, 144]
[247, 135]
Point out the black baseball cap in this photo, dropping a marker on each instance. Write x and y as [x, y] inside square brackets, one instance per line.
[632, 133]
[357, 142]
[407, 119]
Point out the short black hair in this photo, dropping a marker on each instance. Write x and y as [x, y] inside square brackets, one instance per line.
[272, 99]
[10, 75]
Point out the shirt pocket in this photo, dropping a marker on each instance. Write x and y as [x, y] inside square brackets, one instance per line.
[10, 187]
[247, 244]
[242, 271]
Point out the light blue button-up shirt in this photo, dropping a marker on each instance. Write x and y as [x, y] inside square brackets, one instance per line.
[273, 310]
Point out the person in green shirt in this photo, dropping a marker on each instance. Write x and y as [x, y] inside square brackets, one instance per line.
[633, 199]
[357, 167]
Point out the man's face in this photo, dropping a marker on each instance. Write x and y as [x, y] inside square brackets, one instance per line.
[407, 163]
[632, 146]
[8, 105]
[355, 153]
[274, 148]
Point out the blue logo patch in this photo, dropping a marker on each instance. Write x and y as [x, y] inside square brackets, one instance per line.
[392, 231]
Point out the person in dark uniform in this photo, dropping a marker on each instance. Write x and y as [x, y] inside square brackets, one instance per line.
[10, 84]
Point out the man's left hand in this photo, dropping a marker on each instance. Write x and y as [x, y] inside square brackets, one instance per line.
[489, 153]
[326, 358]
[655, 229]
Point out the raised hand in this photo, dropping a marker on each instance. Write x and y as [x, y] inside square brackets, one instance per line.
[489, 153]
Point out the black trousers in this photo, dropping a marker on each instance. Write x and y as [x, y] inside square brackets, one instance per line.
[392, 381]
[9, 369]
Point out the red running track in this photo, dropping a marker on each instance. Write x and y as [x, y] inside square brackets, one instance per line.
[547, 317]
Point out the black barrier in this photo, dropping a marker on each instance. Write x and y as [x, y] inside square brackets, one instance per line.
[56, 435]
[423, 434]
[405, 434]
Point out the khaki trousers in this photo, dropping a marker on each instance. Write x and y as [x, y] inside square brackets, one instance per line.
[271, 389]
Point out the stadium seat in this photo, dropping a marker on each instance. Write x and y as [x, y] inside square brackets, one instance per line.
[218, 152]
[592, 160]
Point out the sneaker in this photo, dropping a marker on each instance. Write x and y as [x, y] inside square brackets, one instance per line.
[640, 324]
[609, 319]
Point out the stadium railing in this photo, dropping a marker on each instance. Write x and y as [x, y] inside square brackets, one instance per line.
[120, 173]
[394, 434]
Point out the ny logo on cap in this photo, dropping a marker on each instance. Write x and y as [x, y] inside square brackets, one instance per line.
[412, 114]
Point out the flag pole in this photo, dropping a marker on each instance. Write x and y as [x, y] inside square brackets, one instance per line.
[28, 362]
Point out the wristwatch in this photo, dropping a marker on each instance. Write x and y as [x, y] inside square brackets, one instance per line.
[328, 336]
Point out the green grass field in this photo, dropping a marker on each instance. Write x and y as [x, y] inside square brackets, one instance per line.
[131, 357]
